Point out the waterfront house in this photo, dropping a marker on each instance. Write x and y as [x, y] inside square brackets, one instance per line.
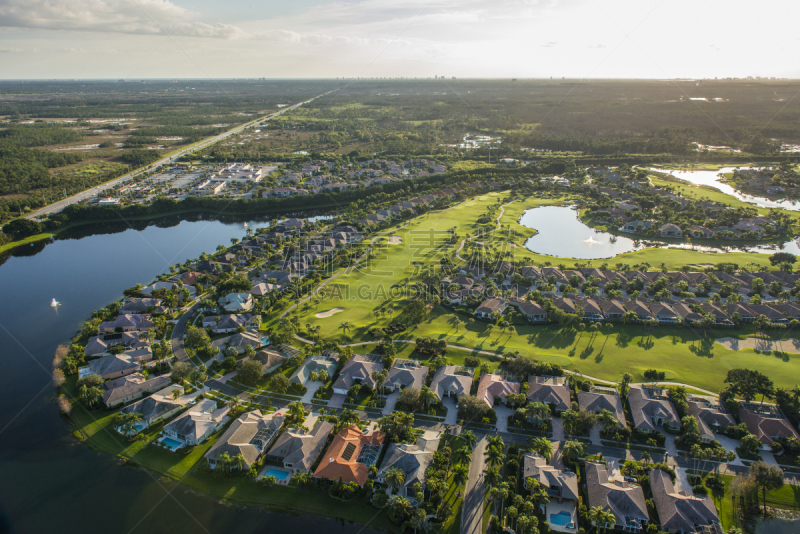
[198, 423]
[297, 449]
[128, 322]
[159, 406]
[350, 454]
[412, 460]
[109, 367]
[249, 435]
[131, 387]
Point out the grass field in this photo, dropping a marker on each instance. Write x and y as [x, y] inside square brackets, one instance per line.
[786, 498]
[381, 287]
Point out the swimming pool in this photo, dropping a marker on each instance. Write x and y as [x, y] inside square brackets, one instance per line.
[171, 444]
[278, 474]
[561, 519]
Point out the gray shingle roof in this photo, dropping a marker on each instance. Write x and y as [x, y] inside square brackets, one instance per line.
[535, 466]
[680, 511]
[446, 380]
[549, 390]
[645, 407]
[597, 402]
[624, 500]
[300, 449]
[239, 437]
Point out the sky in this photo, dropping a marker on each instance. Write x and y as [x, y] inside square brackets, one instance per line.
[134, 39]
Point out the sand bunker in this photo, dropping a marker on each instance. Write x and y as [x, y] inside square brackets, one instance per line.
[781, 345]
[322, 315]
[395, 240]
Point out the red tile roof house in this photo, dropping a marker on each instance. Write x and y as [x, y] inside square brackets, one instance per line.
[767, 427]
[349, 456]
[491, 387]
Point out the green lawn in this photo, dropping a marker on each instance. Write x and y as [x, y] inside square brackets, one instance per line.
[787, 498]
[385, 284]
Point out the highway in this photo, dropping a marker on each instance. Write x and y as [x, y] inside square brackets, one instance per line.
[89, 193]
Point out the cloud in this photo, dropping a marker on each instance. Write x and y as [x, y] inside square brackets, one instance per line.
[140, 17]
[8, 50]
[596, 46]
[549, 44]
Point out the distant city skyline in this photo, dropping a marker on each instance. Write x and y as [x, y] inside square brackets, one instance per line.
[139, 39]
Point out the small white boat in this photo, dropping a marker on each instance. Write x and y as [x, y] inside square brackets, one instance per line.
[54, 303]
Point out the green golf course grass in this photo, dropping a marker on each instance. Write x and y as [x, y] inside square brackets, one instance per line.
[386, 284]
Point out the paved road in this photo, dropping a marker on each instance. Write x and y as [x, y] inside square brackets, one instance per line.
[61, 204]
[474, 492]
[178, 348]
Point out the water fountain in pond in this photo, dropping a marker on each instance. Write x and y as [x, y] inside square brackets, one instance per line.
[54, 303]
[591, 241]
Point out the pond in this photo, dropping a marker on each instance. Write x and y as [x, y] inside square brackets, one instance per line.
[562, 234]
[711, 178]
[777, 526]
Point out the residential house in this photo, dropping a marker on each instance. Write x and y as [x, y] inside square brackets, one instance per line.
[101, 344]
[746, 314]
[767, 424]
[641, 310]
[664, 313]
[315, 364]
[249, 436]
[236, 302]
[720, 317]
[270, 360]
[452, 381]
[226, 324]
[240, 341]
[711, 415]
[701, 232]
[599, 398]
[651, 408]
[128, 322]
[298, 449]
[412, 460]
[142, 306]
[489, 307]
[681, 511]
[495, 387]
[109, 367]
[358, 370]
[551, 390]
[531, 310]
[670, 230]
[612, 309]
[159, 406]
[131, 387]
[686, 314]
[626, 501]
[350, 454]
[198, 423]
[406, 374]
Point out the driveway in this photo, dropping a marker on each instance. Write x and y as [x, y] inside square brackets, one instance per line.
[452, 410]
[594, 434]
[474, 493]
[503, 413]
[336, 401]
[391, 402]
[311, 389]
[558, 429]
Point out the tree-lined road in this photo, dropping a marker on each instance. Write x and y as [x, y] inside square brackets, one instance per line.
[89, 193]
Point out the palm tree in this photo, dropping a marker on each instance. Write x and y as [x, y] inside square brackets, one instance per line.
[395, 477]
[345, 326]
[462, 455]
[492, 476]
[239, 461]
[609, 421]
[541, 445]
[494, 456]
[470, 439]
[401, 508]
[460, 475]
[496, 442]
[601, 518]
[645, 457]
[573, 450]
[428, 397]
